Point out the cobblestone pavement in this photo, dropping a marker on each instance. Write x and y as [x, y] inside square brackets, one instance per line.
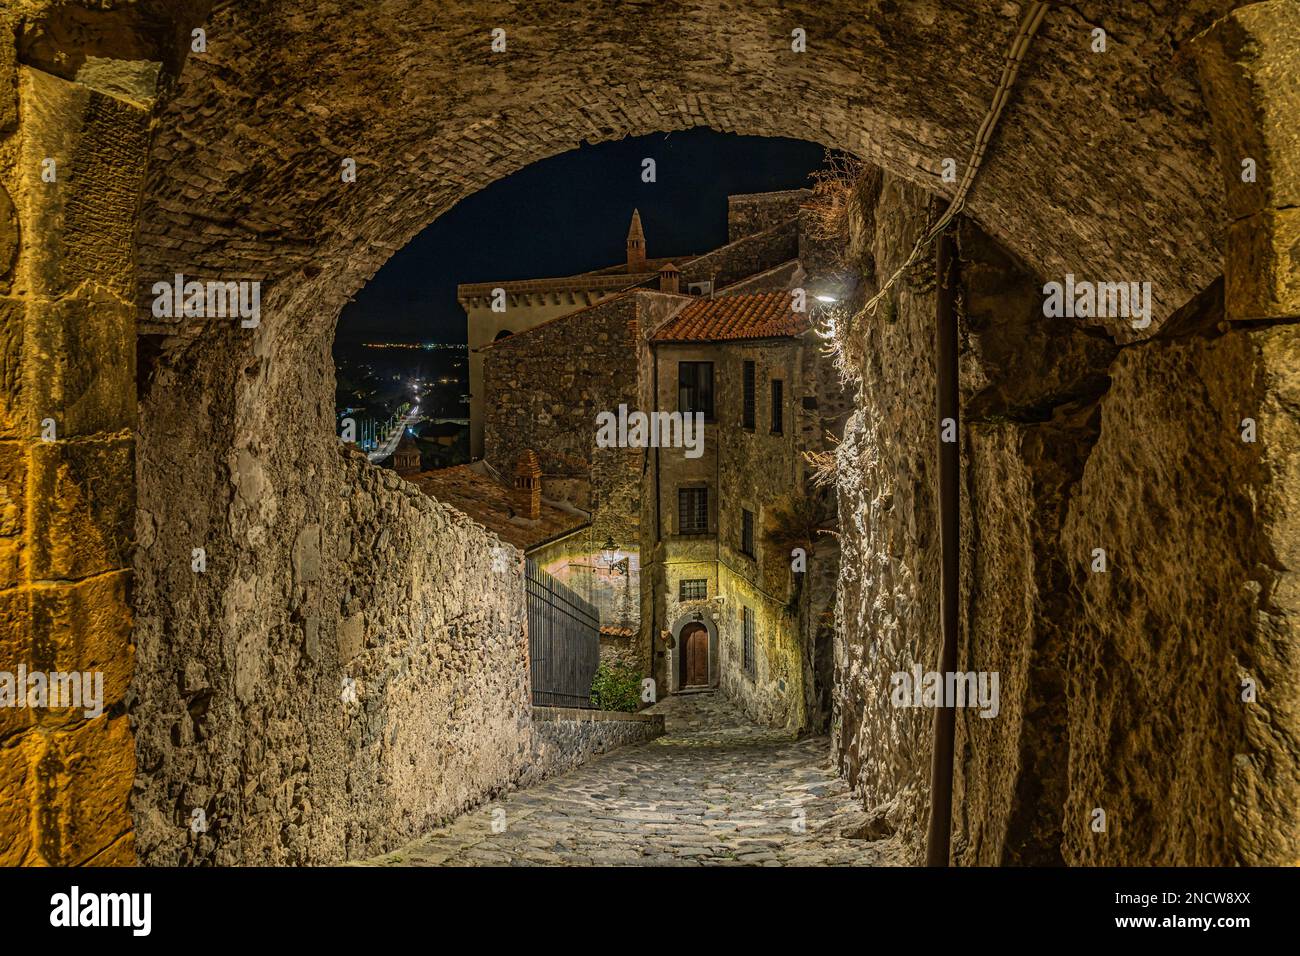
[715, 790]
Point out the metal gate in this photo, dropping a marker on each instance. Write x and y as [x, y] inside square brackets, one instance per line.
[563, 641]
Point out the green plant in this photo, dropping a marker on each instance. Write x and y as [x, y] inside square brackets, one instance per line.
[616, 687]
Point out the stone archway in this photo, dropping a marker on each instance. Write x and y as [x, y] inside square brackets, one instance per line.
[236, 453]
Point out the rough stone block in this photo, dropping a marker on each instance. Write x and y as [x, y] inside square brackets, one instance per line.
[80, 367]
[13, 471]
[352, 637]
[17, 800]
[1263, 266]
[81, 227]
[85, 775]
[15, 649]
[81, 513]
[10, 567]
[12, 316]
[311, 638]
[86, 627]
[306, 555]
[8, 73]
[1253, 92]
[1266, 777]
[8, 237]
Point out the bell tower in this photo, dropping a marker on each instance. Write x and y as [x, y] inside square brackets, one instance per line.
[635, 244]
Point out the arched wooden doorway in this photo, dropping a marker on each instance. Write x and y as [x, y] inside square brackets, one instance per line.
[694, 644]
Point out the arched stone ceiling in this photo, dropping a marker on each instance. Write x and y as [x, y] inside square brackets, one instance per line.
[1103, 164]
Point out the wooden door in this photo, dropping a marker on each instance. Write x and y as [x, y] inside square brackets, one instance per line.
[695, 641]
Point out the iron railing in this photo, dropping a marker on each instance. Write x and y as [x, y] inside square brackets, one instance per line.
[563, 641]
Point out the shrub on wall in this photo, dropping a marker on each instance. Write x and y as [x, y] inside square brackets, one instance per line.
[616, 687]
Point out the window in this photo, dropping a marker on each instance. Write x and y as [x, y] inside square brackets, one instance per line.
[778, 406]
[747, 532]
[692, 510]
[693, 590]
[747, 643]
[695, 388]
[748, 420]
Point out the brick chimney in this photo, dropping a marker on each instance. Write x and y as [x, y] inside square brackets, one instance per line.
[670, 278]
[635, 244]
[528, 485]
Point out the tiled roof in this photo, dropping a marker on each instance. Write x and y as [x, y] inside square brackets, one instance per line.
[761, 315]
[491, 504]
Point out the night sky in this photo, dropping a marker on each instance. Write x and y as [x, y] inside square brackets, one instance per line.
[569, 214]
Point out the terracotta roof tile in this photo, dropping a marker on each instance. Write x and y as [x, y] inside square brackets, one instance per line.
[761, 315]
[492, 504]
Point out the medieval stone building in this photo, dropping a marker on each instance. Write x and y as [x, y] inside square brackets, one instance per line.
[742, 575]
[723, 315]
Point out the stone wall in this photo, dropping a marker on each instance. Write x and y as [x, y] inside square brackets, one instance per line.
[376, 687]
[888, 606]
[744, 257]
[760, 472]
[567, 737]
[625, 649]
[548, 384]
[1120, 690]
[1196, 600]
[751, 213]
[67, 448]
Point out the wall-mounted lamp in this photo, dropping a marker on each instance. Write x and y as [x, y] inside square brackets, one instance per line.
[613, 565]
